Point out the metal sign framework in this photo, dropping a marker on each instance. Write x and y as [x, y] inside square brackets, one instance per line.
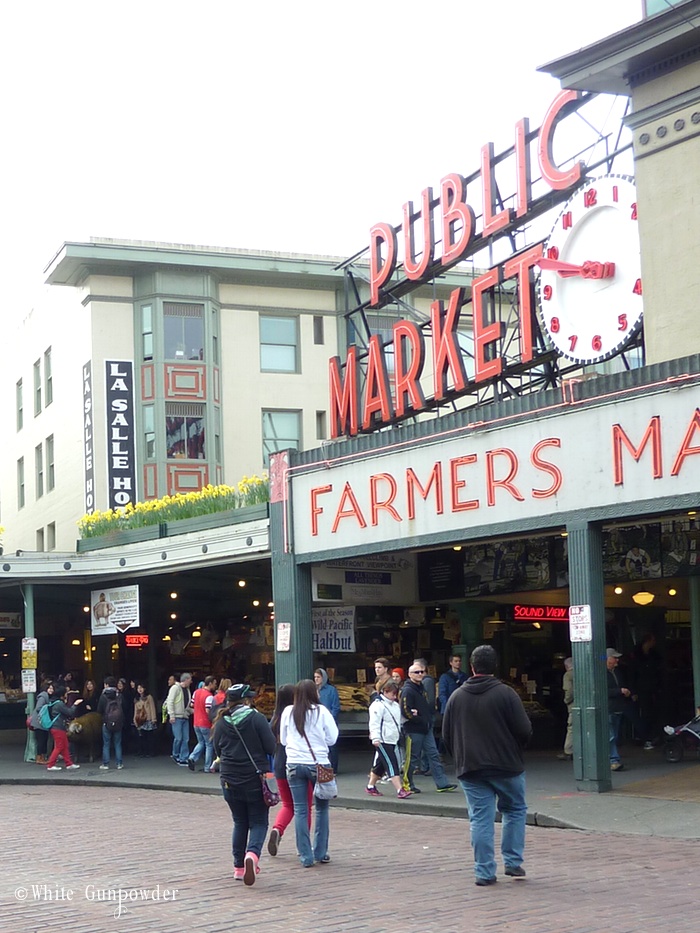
[601, 153]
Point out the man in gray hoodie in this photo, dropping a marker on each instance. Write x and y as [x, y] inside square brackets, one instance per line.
[485, 728]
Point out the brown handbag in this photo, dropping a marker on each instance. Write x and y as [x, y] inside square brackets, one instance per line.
[324, 773]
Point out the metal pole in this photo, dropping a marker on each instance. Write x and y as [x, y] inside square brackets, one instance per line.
[27, 591]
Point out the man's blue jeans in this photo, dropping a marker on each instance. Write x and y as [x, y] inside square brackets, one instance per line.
[250, 818]
[204, 744]
[614, 722]
[107, 737]
[299, 777]
[481, 794]
[181, 739]
[425, 744]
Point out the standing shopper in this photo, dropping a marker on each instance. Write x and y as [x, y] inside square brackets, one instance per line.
[41, 736]
[241, 734]
[285, 814]
[485, 728]
[307, 730]
[384, 734]
[418, 728]
[178, 705]
[59, 730]
[328, 695]
[201, 705]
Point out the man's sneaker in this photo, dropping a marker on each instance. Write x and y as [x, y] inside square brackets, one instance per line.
[119, 767]
[55, 768]
[441, 790]
[402, 794]
[516, 872]
[183, 764]
[617, 766]
[373, 792]
[104, 767]
[72, 767]
[190, 764]
[273, 842]
[648, 746]
[484, 882]
[238, 874]
[415, 790]
[251, 868]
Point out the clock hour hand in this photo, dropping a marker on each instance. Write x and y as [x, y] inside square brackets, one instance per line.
[587, 270]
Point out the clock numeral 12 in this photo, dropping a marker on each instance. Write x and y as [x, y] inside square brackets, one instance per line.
[590, 197]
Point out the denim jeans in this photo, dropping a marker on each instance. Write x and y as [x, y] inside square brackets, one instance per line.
[107, 737]
[181, 739]
[481, 794]
[299, 777]
[425, 745]
[250, 817]
[614, 722]
[203, 742]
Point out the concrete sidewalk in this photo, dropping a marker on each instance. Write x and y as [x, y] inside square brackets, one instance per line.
[552, 798]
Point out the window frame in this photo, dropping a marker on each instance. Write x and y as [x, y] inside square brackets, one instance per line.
[296, 345]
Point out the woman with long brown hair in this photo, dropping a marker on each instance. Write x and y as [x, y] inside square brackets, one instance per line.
[307, 730]
[285, 814]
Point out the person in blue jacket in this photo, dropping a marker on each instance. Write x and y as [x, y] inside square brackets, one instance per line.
[328, 697]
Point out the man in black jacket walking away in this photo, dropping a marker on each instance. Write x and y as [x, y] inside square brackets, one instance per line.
[485, 728]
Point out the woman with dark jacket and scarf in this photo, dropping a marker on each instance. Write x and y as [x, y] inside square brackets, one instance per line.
[62, 714]
[241, 734]
[41, 736]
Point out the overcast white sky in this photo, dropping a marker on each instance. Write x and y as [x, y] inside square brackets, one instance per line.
[281, 126]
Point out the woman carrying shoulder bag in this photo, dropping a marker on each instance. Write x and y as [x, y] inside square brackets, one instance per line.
[241, 734]
[307, 730]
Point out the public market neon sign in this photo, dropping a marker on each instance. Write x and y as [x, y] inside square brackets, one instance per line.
[384, 400]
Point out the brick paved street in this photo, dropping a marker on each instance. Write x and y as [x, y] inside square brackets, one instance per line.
[388, 871]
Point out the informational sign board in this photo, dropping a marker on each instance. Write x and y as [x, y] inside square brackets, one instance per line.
[333, 628]
[580, 628]
[114, 610]
[284, 636]
[30, 648]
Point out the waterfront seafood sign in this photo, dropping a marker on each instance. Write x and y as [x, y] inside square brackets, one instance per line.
[535, 469]
[333, 628]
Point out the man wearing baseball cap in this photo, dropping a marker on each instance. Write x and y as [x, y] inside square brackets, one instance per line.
[620, 704]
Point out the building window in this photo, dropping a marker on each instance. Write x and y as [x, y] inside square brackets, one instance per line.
[51, 536]
[20, 405]
[37, 388]
[39, 470]
[50, 470]
[215, 337]
[321, 433]
[147, 332]
[184, 431]
[40, 539]
[20, 483]
[149, 432]
[183, 331]
[48, 378]
[318, 330]
[281, 430]
[279, 343]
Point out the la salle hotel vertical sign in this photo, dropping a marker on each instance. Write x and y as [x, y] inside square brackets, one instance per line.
[121, 446]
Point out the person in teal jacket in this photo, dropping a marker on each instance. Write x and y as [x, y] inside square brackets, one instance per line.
[329, 698]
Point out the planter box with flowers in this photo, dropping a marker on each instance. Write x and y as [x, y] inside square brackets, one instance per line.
[212, 507]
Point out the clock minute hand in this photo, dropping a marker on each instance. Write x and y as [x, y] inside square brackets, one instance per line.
[588, 270]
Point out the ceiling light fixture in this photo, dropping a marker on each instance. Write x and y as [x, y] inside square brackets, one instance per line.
[196, 633]
[173, 595]
[76, 641]
[241, 583]
[642, 598]
[673, 592]
[618, 591]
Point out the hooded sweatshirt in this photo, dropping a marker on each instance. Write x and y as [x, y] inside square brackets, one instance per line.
[328, 695]
[485, 728]
[254, 730]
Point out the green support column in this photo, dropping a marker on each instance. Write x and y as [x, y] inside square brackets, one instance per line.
[291, 591]
[590, 709]
[694, 593]
[28, 598]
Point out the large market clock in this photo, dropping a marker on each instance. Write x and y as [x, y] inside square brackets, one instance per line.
[590, 290]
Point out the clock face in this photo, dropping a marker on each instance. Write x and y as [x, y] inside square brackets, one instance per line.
[590, 290]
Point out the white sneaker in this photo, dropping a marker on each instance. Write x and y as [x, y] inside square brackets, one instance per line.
[55, 768]
[72, 767]
[119, 767]
[104, 767]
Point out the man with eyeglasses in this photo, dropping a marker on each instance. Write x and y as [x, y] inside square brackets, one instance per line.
[485, 728]
[417, 727]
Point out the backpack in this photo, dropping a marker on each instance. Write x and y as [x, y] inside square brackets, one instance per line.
[114, 715]
[46, 720]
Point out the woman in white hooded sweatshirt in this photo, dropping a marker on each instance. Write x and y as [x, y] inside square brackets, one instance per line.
[307, 730]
